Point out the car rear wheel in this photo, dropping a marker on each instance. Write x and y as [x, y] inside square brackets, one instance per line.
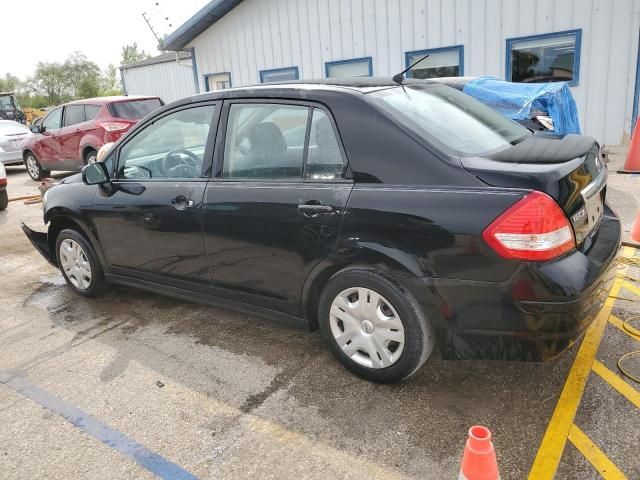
[35, 171]
[90, 157]
[374, 328]
[79, 264]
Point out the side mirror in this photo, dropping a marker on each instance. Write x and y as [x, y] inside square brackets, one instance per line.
[95, 174]
[36, 128]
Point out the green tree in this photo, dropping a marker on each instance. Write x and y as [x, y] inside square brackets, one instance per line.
[89, 87]
[51, 80]
[109, 81]
[10, 83]
[131, 54]
[81, 72]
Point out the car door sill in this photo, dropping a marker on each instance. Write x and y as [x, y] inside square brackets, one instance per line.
[212, 300]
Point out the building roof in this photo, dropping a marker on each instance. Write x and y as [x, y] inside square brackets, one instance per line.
[203, 19]
[163, 58]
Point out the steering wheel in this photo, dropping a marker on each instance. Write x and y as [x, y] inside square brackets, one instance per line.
[174, 164]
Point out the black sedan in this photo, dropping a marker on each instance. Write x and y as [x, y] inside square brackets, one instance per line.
[394, 218]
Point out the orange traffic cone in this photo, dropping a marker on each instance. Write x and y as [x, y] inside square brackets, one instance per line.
[635, 233]
[479, 458]
[632, 164]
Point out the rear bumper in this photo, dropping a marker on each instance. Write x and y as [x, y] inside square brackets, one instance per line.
[540, 312]
[40, 242]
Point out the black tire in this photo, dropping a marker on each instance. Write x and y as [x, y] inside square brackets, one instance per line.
[419, 337]
[88, 155]
[34, 169]
[4, 199]
[97, 285]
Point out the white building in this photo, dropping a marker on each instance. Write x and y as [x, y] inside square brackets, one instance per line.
[170, 76]
[591, 43]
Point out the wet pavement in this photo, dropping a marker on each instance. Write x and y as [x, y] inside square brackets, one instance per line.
[221, 394]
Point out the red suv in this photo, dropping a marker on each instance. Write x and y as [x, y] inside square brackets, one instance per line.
[70, 135]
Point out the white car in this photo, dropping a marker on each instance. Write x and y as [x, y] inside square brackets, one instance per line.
[12, 134]
[4, 197]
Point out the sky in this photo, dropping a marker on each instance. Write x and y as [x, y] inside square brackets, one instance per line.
[50, 30]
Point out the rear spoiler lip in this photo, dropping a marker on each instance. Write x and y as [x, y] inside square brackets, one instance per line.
[40, 242]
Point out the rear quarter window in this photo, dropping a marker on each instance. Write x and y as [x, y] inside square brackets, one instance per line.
[134, 109]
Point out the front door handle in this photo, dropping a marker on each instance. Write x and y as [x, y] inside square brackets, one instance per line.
[314, 207]
[181, 202]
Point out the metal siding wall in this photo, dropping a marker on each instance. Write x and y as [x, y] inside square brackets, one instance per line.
[264, 34]
[170, 81]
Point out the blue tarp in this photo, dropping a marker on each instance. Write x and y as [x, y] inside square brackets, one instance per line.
[518, 100]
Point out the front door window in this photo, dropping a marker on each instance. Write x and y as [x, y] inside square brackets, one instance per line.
[172, 147]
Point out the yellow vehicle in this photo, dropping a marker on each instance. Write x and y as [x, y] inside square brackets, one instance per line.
[33, 113]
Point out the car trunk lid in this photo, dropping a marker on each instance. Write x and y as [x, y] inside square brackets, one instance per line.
[566, 167]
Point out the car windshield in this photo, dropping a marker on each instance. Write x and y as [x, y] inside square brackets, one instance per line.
[5, 102]
[452, 120]
[134, 109]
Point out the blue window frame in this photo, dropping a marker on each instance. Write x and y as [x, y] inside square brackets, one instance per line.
[442, 62]
[636, 97]
[279, 74]
[217, 81]
[550, 57]
[353, 67]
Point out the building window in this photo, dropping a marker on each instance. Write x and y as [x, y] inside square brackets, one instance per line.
[441, 62]
[279, 75]
[355, 67]
[217, 81]
[553, 57]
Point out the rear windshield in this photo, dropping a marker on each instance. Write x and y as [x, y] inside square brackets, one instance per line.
[134, 109]
[452, 120]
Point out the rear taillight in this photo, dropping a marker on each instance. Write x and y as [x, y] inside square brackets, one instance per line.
[114, 126]
[534, 229]
[3, 182]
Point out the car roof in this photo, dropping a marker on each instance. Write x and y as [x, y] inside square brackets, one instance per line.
[302, 88]
[112, 99]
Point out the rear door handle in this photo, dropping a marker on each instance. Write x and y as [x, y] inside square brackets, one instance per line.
[314, 208]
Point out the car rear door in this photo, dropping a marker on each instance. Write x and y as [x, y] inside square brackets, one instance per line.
[150, 222]
[73, 122]
[275, 207]
[48, 148]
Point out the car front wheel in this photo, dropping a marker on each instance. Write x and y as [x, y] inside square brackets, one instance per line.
[35, 171]
[79, 264]
[374, 328]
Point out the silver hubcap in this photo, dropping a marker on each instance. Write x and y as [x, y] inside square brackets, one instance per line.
[75, 264]
[91, 159]
[366, 327]
[32, 166]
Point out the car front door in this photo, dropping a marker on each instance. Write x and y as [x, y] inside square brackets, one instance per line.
[70, 134]
[150, 222]
[275, 207]
[48, 147]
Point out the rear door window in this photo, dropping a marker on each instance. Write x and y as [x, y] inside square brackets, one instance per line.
[265, 141]
[91, 111]
[134, 109]
[73, 114]
[324, 160]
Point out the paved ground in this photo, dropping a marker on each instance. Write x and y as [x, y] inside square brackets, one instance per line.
[215, 394]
